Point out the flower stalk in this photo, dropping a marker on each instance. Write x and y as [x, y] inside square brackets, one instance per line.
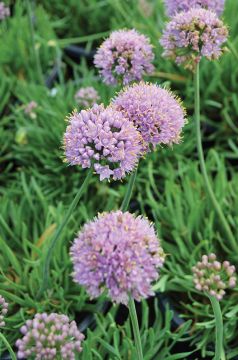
[209, 189]
[219, 351]
[135, 326]
[131, 304]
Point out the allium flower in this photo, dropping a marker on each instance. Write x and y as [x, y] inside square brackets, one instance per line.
[175, 6]
[156, 112]
[3, 310]
[214, 277]
[145, 7]
[117, 252]
[49, 336]
[191, 35]
[4, 11]
[29, 109]
[104, 139]
[87, 96]
[124, 57]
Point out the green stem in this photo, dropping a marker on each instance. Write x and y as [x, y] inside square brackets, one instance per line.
[54, 240]
[203, 165]
[135, 326]
[131, 305]
[8, 346]
[130, 186]
[34, 51]
[219, 351]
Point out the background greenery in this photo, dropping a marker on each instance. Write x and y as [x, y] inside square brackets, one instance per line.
[36, 186]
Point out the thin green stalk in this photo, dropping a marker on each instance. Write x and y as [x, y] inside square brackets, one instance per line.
[219, 351]
[135, 326]
[34, 51]
[131, 305]
[46, 265]
[130, 186]
[8, 346]
[203, 165]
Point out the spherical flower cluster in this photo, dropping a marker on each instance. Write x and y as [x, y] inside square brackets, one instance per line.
[87, 96]
[124, 57]
[156, 112]
[175, 6]
[4, 11]
[104, 139]
[191, 35]
[214, 277]
[3, 310]
[49, 336]
[119, 253]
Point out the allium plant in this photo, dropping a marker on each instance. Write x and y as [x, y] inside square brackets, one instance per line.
[175, 6]
[87, 96]
[3, 310]
[104, 139]
[124, 57]
[191, 35]
[4, 11]
[213, 277]
[49, 336]
[156, 112]
[117, 252]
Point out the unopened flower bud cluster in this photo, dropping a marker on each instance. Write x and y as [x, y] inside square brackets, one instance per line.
[214, 277]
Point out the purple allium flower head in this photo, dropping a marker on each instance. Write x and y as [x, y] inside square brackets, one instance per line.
[49, 336]
[191, 35]
[3, 310]
[104, 139]
[117, 252]
[87, 96]
[156, 112]
[4, 11]
[175, 6]
[124, 57]
[213, 277]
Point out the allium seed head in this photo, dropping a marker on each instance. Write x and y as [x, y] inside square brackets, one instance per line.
[87, 96]
[117, 252]
[4, 11]
[3, 310]
[191, 35]
[175, 6]
[156, 112]
[49, 336]
[105, 139]
[124, 57]
[214, 277]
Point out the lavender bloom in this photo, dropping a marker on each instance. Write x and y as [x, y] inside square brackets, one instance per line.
[104, 139]
[193, 34]
[4, 11]
[124, 57]
[87, 96]
[214, 277]
[50, 336]
[117, 252]
[175, 6]
[3, 310]
[156, 112]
